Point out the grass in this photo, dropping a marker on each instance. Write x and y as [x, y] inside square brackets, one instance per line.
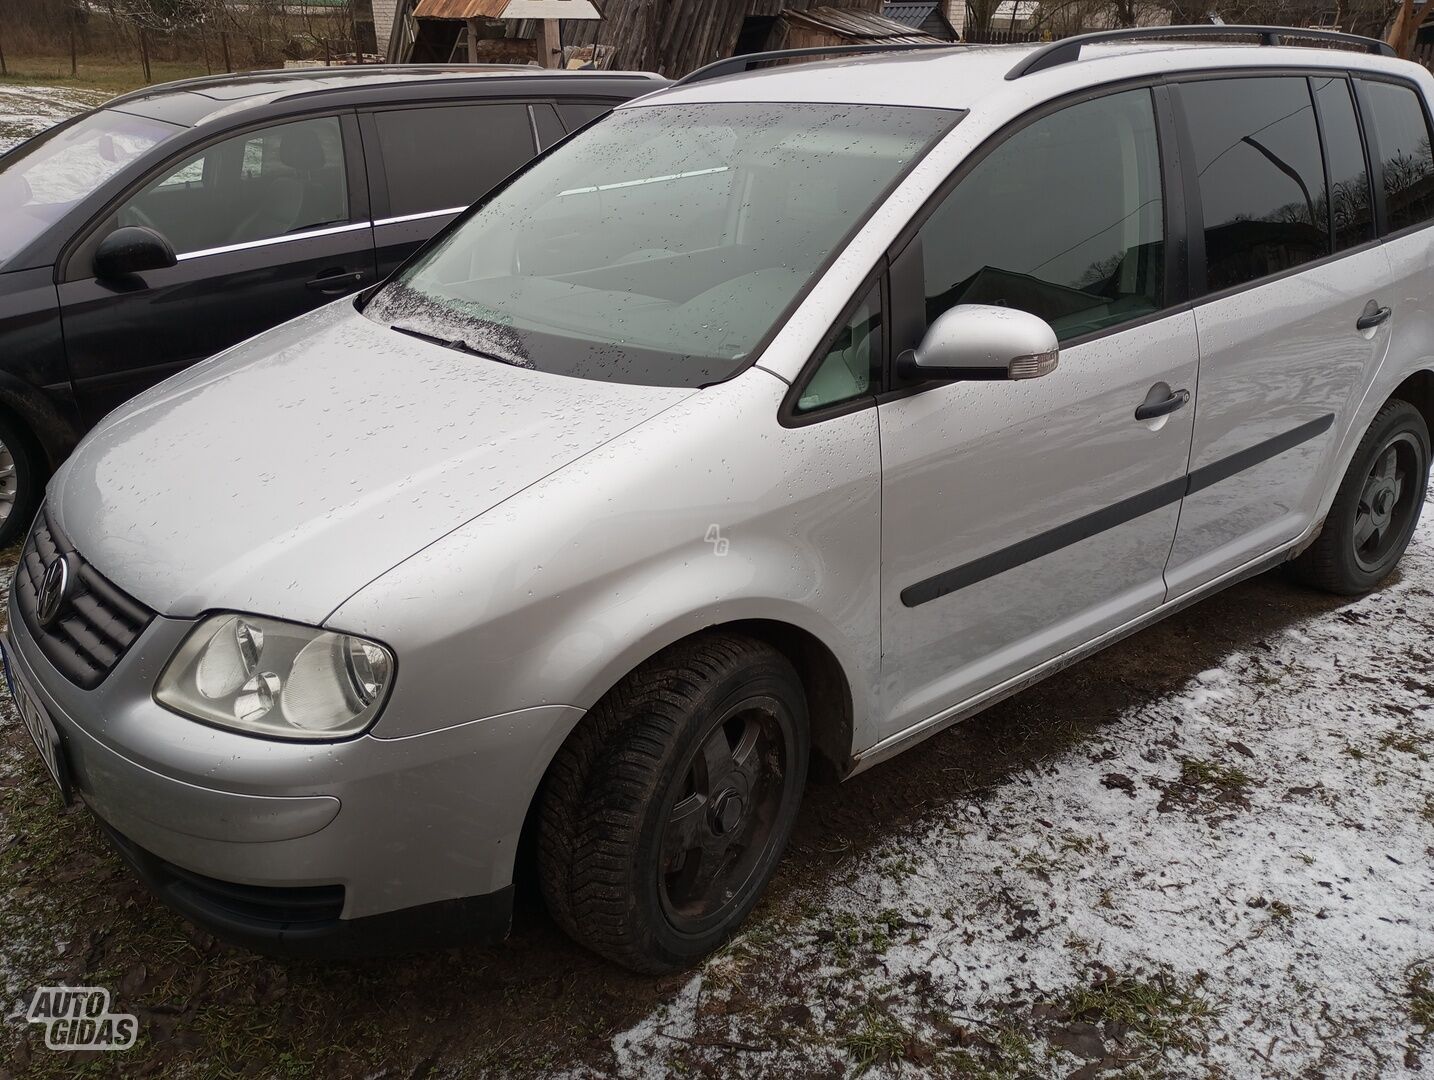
[875, 1037]
[1211, 774]
[95, 73]
[1162, 1012]
[1421, 998]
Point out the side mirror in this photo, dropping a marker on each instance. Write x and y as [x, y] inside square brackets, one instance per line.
[132, 250]
[980, 342]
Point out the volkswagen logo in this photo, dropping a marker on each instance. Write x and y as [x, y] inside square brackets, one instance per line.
[54, 591]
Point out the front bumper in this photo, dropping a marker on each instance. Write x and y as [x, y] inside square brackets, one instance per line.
[419, 831]
[304, 921]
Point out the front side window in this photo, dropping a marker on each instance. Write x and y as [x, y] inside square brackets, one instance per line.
[1257, 153]
[662, 245]
[1064, 219]
[259, 186]
[1402, 133]
[42, 179]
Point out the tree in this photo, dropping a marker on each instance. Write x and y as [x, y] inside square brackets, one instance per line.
[1405, 32]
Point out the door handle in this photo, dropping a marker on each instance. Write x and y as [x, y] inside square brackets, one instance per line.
[336, 282]
[1149, 410]
[1372, 317]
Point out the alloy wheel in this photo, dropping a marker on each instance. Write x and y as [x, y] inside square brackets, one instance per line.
[1388, 502]
[724, 809]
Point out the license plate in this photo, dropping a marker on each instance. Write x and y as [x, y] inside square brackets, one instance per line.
[41, 728]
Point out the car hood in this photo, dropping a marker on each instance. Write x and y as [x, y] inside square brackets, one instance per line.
[284, 475]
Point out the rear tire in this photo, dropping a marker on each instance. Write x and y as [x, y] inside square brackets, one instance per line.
[1376, 509]
[666, 812]
[21, 480]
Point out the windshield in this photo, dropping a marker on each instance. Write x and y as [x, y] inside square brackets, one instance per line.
[41, 179]
[661, 245]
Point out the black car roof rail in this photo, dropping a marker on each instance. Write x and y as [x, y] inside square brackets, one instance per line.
[736, 65]
[357, 71]
[1068, 49]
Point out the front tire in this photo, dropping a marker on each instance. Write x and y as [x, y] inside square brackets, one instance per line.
[666, 812]
[1376, 508]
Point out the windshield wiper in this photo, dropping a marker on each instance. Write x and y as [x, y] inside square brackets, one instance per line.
[456, 344]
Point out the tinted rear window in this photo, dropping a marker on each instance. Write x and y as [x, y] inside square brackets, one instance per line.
[449, 156]
[1353, 211]
[1402, 134]
[1261, 178]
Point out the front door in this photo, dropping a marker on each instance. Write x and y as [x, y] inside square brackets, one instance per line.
[1021, 519]
[267, 225]
[1290, 331]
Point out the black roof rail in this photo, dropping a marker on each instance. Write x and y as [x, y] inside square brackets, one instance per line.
[1068, 49]
[736, 65]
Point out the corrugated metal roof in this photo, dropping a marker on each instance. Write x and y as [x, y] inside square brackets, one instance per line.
[857, 25]
[912, 15]
[459, 9]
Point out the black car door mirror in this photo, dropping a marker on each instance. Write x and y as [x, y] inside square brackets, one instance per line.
[978, 341]
[132, 250]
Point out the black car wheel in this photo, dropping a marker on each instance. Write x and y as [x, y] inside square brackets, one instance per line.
[665, 814]
[1376, 509]
[20, 481]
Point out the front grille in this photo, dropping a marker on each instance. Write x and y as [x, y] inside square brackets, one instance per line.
[96, 624]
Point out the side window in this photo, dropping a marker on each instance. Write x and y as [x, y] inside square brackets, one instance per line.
[1352, 208]
[1065, 219]
[1261, 176]
[1402, 134]
[578, 114]
[549, 127]
[448, 157]
[256, 186]
[851, 363]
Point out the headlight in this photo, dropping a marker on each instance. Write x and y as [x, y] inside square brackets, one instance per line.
[278, 679]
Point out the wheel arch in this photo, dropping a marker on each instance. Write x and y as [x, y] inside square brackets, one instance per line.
[1418, 390]
[830, 708]
[52, 435]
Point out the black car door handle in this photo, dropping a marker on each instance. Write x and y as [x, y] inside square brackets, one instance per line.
[1372, 317]
[337, 282]
[1149, 410]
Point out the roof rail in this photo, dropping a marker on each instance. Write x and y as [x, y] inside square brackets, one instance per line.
[736, 65]
[1068, 49]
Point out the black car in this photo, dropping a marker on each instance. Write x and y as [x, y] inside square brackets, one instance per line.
[171, 223]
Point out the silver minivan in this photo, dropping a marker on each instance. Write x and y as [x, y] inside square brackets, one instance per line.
[772, 424]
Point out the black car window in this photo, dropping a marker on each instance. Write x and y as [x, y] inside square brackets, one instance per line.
[1261, 177]
[550, 129]
[257, 186]
[578, 114]
[1348, 173]
[1065, 219]
[449, 156]
[1402, 134]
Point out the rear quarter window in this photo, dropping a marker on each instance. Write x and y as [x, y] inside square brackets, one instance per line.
[1401, 132]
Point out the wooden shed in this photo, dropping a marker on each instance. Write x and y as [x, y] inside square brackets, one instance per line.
[821, 27]
[929, 17]
[673, 37]
[676, 37]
